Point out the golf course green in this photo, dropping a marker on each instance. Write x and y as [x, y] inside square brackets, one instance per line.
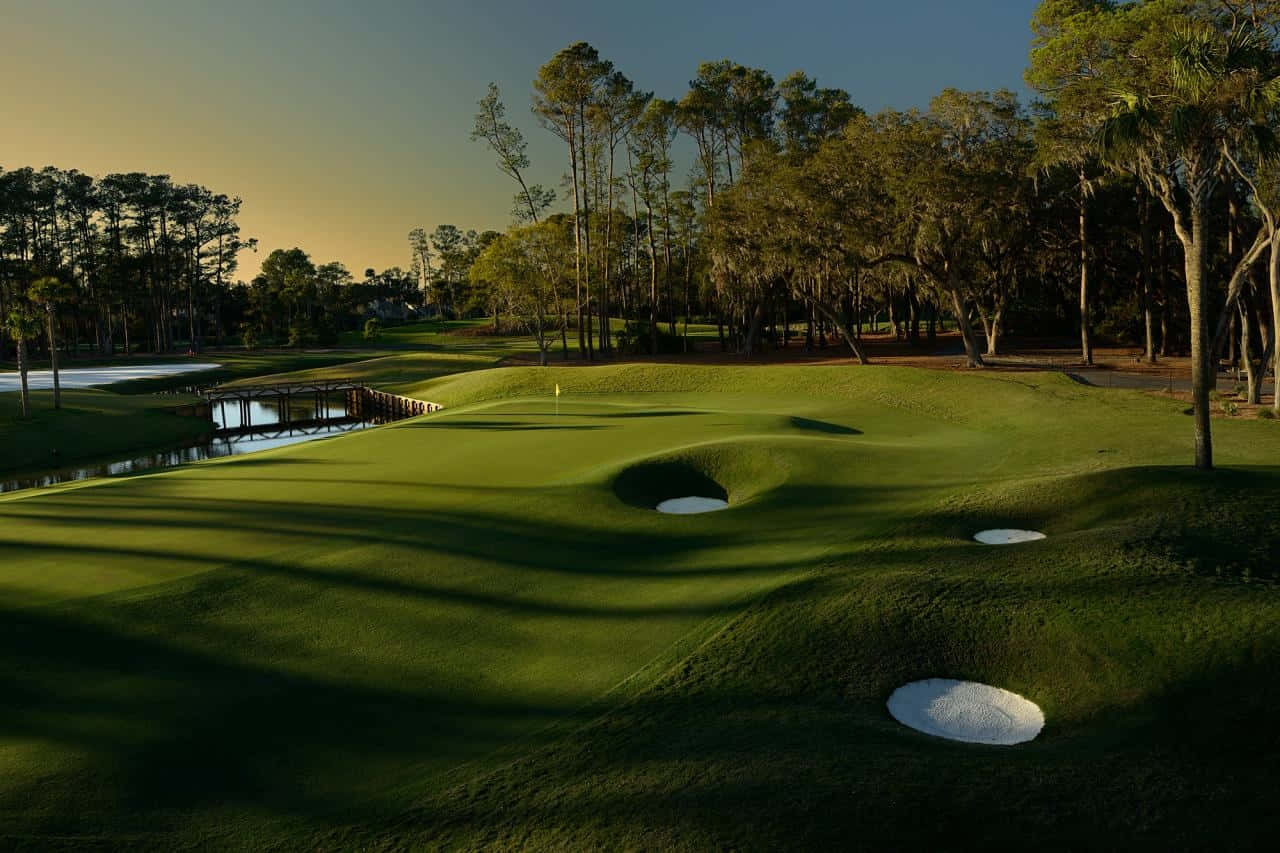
[470, 629]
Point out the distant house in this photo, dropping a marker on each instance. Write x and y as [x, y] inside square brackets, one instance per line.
[387, 310]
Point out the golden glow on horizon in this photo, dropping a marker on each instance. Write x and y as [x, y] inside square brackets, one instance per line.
[317, 167]
[344, 125]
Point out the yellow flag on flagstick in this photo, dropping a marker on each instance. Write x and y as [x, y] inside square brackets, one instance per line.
[557, 389]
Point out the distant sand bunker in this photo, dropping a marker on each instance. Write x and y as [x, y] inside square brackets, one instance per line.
[966, 711]
[1008, 537]
[691, 505]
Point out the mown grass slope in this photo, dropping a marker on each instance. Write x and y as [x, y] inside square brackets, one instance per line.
[453, 631]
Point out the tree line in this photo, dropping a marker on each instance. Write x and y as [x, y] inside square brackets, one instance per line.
[1135, 199]
[134, 262]
[143, 261]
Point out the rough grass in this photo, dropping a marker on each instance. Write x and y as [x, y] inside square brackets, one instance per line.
[452, 632]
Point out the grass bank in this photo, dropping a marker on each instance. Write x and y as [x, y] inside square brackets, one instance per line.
[93, 425]
[461, 631]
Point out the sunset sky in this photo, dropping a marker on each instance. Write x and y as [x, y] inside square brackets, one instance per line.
[343, 125]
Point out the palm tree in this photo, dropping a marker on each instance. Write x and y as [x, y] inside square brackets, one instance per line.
[22, 323]
[49, 292]
[1174, 125]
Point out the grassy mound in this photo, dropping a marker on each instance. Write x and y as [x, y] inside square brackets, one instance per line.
[451, 632]
[648, 484]
[731, 472]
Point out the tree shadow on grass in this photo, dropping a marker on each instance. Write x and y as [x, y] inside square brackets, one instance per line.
[778, 737]
[613, 543]
[772, 735]
[159, 731]
[823, 426]
[654, 413]
[168, 711]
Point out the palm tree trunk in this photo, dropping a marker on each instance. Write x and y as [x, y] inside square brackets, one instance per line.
[1197, 305]
[1148, 316]
[53, 358]
[23, 366]
[1274, 277]
[1086, 343]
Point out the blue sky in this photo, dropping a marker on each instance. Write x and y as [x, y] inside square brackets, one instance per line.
[345, 124]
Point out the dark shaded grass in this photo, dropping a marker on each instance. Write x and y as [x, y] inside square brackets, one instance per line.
[183, 714]
[774, 734]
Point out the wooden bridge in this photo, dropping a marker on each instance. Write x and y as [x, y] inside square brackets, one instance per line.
[361, 402]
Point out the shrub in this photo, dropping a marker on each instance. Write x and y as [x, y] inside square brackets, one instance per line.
[301, 334]
[1230, 408]
[1267, 414]
[637, 341]
[326, 333]
[372, 329]
[249, 335]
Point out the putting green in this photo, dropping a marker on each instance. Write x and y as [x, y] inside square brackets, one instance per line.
[458, 629]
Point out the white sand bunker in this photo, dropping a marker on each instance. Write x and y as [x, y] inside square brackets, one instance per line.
[966, 711]
[1008, 537]
[691, 505]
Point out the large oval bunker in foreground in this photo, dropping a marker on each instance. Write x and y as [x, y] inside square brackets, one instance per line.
[1007, 536]
[966, 711]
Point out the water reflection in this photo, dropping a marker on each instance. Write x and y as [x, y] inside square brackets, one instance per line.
[266, 411]
[231, 437]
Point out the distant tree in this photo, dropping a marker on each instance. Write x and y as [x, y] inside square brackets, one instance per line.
[50, 292]
[650, 148]
[811, 115]
[991, 136]
[22, 322]
[144, 256]
[420, 246]
[525, 267]
[1066, 31]
[1203, 76]
[617, 108]
[508, 143]
[564, 91]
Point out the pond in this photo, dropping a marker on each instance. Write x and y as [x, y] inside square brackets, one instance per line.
[230, 438]
[85, 377]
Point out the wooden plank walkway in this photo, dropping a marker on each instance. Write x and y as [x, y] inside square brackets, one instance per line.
[361, 402]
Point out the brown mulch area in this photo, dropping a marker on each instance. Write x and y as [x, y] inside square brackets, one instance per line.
[1244, 411]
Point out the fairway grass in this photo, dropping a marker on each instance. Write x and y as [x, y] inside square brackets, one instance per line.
[466, 629]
